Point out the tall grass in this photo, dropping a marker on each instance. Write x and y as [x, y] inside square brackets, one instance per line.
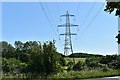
[84, 74]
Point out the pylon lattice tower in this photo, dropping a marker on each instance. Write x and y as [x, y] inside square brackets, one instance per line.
[118, 36]
[68, 43]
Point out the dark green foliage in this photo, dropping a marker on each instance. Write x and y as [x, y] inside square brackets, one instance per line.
[12, 65]
[51, 58]
[36, 60]
[111, 57]
[84, 55]
[8, 50]
[113, 6]
[92, 62]
[40, 60]
[103, 60]
[62, 61]
[70, 65]
[118, 62]
[31, 57]
[24, 57]
[78, 66]
[44, 59]
[111, 61]
[104, 68]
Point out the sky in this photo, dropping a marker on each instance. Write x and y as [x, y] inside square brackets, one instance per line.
[29, 21]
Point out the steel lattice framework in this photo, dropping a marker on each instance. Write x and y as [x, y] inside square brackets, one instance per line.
[118, 36]
[68, 43]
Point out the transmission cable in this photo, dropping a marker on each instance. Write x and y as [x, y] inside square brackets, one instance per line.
[47, 18]
[88, 14]
[49, 13]
[77, 9]
[93, 19]
[57, 3]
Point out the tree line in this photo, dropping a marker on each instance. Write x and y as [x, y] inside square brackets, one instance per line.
[30, 57]
[34, 59]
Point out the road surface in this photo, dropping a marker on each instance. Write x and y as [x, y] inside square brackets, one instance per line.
[106, 78]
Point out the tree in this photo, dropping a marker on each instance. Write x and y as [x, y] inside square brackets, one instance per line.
[44, 59]
[10, 65]
[78, 66]
[92, 62]
[23, 50]
[118, 62]
[33, 57]
[13, 65]
[103, 60]
[7, 50]
[113, 6]
[51, 57]
[19, 48]
[18, 45]
[36, 60]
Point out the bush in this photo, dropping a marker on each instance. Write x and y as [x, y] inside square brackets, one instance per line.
[103, 60]
[105, 68]
[70, 65]
[78, 66]
[118, 62]
[62, 61]
[11, 65]
[91, 62]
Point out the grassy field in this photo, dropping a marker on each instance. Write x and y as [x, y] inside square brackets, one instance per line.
[76, 59]
[85, 74]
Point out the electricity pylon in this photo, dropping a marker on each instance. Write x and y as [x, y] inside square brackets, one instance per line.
[68, 43]
[118, 36]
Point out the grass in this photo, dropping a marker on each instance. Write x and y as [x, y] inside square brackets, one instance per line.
[76, 59]
[85, 74]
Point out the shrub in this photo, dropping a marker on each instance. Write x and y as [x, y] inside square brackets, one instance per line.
[11, 65]
[103, 60]
[78, 66]
[70, 65]
[118, 62]
[62, 61]
[105, 68]
[91, 62]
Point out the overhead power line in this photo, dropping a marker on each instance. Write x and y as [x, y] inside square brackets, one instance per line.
[92, 19]
[77, 9]
[48, 18]
[49, 13]
[88, 14]
[58, 8]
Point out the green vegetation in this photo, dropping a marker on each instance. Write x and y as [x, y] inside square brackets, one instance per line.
[30, 58]
[84, 74]
[84, 55]
[113, 6]
[33, 59]
[76, 59]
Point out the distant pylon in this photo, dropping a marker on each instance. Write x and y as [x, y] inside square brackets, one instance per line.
[118, 36]
[68, 43]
